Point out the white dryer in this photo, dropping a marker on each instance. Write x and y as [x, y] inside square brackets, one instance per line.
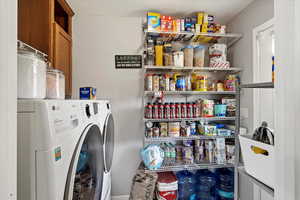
[61, 149]
[106, 120]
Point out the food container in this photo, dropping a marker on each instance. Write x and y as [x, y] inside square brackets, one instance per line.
[253, 159]
[158, 55]
[55, 84]
[149, 82]
[87, 93]
[155, 82]
[31, 75]
[220, 110]
[178, 57]
[199, 56]
[188, 56]
[168, 55]
[174, 129]
[208, 108]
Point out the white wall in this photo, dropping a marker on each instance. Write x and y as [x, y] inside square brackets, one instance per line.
[95, 42]
[8, 88]
[255, 14]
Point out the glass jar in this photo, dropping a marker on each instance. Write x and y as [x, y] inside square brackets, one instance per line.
[55, 84]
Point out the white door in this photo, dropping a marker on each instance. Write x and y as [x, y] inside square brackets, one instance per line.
[263, 46]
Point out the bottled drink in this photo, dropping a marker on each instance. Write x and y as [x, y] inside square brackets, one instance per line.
[186, 183]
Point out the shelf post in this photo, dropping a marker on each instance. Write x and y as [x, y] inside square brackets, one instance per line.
[237, 144]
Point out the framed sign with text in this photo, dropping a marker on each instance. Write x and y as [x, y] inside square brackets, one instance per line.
[128, 61]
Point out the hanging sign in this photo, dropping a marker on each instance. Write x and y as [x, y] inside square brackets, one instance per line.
[128, 61]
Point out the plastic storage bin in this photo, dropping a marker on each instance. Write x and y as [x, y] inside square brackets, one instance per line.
[55, 84]
[188, 56]
[260, 166]
[199, 56]
[31, 75]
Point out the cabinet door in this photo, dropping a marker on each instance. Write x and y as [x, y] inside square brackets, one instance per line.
[62, 52]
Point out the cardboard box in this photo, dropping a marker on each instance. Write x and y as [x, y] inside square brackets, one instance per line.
[200, 17]
[166, 23]
[153, 21]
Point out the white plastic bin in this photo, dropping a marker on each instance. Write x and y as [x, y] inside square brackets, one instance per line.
[260, 166]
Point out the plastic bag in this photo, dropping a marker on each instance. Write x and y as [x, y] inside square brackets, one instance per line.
[152, 156]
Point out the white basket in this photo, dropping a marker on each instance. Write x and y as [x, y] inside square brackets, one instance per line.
[260, 166]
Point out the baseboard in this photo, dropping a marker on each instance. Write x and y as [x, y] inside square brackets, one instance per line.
[122, 197]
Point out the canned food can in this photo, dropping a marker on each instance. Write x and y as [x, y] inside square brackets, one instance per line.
[174, 129]
[149, 81]
[155, 83]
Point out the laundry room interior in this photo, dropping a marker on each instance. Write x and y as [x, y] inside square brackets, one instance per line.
[153, 100]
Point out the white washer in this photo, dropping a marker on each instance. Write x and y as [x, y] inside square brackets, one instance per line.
[52, 136]
[106, 119]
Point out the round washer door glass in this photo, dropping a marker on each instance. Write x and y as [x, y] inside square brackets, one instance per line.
[85, 177]
[108, 142]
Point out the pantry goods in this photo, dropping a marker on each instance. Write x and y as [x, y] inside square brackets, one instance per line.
[190, 97]
[189, 82]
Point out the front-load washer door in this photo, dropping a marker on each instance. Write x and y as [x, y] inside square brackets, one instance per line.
[85, 177]
[108, 138]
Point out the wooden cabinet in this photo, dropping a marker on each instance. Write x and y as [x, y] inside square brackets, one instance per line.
[47, 26]
[62, 54]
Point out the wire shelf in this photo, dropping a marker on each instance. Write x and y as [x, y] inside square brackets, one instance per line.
[181, 167]
[208, 69]
[194, 37]
[194, 137]
[192, 119]
[149, 93]
[258, 85]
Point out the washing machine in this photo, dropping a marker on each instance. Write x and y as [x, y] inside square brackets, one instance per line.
[106, 120]
[62, 152]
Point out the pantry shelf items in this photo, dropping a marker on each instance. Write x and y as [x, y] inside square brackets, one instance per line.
[228, 38]
[159, 93]
[208, 69]
[190, 93]
[182, 138]
[190, 167]
[193, 119]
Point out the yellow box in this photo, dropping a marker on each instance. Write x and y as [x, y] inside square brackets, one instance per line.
[200, 17]
[204, 28]
[159, 55]
[153, 21]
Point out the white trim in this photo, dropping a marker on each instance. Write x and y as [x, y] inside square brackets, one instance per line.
[122, 197]
[255, 33]
[287, 99]
[8, 99]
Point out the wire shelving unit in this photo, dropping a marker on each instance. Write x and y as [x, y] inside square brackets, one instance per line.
[230, 39]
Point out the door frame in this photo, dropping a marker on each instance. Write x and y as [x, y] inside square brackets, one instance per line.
[255, 33]
[8, 99]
